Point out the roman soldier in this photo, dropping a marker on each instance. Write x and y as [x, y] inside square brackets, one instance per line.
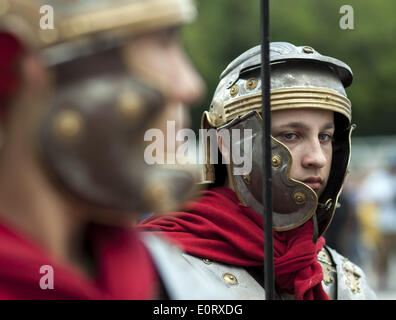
[222, 232]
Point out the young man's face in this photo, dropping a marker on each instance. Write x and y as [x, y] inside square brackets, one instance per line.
[308, 134]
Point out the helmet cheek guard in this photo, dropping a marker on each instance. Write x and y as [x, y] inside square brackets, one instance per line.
[293, 202]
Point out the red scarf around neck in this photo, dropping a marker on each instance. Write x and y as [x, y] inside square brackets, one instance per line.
[219, 227]
[124, 269]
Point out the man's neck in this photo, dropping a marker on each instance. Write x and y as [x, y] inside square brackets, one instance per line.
[31, 205]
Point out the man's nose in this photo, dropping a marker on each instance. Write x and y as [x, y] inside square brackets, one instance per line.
[188, 87]
[314, 155]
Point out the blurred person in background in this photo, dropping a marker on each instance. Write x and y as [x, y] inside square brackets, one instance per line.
[76, 98]
[222, 232]
[377, 215]
[343, 234]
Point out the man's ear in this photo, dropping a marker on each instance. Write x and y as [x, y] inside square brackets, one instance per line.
[30, 97]
[34, 75]
[223, 141]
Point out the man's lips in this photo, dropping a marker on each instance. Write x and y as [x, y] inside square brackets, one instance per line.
[314, 183]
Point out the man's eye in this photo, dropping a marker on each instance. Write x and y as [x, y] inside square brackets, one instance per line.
[169, 36]
[289, 136]
[324, 137]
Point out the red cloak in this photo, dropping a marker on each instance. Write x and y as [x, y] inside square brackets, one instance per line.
[124, 269]
[219, 227]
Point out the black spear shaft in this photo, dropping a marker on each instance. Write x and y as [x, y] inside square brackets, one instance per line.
[269, 283]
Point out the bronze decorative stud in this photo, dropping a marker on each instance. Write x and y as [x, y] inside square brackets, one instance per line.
[251, 83]
[234, 90]
[68, 124]
[299, 197]
[130, 106]
[230, 279]
[308, 50]
[276, 161]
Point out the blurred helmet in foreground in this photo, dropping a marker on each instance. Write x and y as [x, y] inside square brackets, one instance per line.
[91, 135]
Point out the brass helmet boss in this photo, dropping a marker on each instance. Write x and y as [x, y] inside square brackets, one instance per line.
[300, 78]
[90, 138]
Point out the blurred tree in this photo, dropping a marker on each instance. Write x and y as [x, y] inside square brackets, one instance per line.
[226, 28]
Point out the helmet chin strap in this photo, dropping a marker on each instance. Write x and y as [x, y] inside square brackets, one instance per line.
[315, 228]
[325, 206]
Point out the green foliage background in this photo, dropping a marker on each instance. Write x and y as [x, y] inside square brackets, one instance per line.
[226, 28]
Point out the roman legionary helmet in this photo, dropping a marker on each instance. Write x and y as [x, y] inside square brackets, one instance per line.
[91, 136]
[300, 78]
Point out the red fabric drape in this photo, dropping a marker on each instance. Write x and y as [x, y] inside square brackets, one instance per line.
[125, 270]
[219, 227]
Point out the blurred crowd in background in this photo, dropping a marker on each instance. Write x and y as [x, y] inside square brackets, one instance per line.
[364, 226]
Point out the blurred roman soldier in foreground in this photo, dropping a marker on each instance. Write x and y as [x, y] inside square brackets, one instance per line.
[80, 83]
